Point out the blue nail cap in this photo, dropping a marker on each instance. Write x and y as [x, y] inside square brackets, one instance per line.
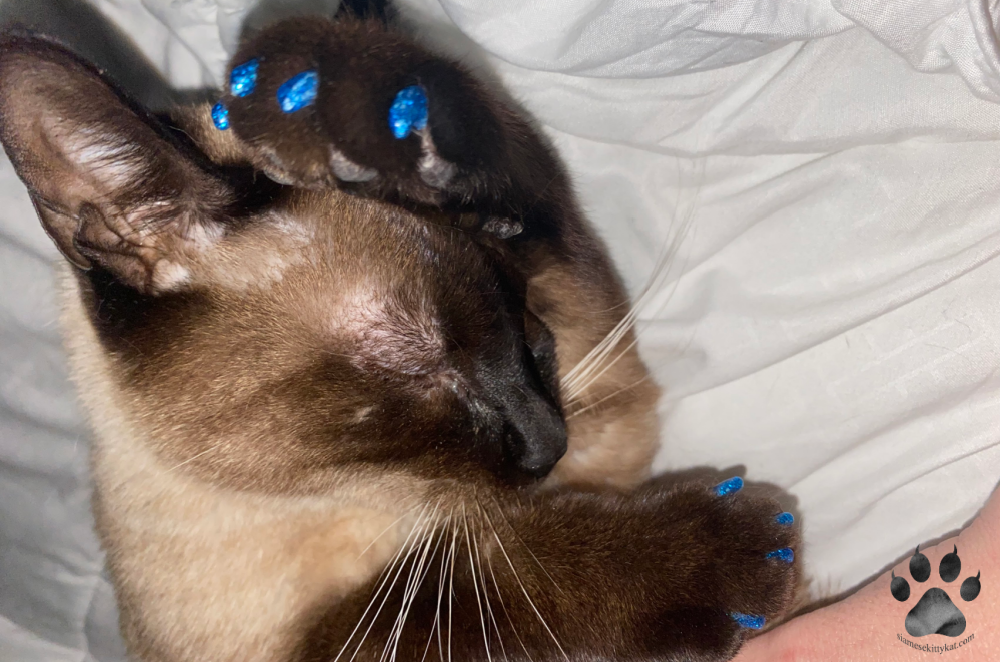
[749, 621]
[243, 79]
[408, 111]
[785, 519]
[731, 486]
[784, 554]
[298, 91]
[220, 116]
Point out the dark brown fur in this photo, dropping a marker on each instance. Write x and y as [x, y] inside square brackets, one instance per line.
[384, 352]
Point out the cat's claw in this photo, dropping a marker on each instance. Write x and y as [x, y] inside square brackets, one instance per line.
[748, 621]
[734, 485]
[220, 116]
[730, 486]
[341, 85]
[408, 111]
[785, 554]
[243, 78]
[298, 91]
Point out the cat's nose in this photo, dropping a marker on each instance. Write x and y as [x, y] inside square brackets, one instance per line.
[538, 438]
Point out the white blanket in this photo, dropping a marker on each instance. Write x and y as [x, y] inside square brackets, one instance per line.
[824, 179]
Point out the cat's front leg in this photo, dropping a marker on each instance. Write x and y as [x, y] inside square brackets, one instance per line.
[659, 574]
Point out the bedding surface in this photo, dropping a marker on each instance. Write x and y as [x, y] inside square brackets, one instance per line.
[803, 196]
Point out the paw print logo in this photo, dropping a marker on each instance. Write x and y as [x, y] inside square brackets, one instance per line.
[935, 613]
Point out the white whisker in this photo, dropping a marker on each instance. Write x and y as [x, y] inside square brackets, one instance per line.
[475, 584]
[595, 375]
[425, 542]
[525, 591]
[410, 546]
[486, 591]
[384, 531]
[577, 412]
[526, 548]
[194, 457]
[436, 624]
[489, 562]
[451, 586]
[420, 574]
[578, 379]
[385, 573]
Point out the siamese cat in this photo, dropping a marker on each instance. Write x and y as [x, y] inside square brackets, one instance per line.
[360, 376]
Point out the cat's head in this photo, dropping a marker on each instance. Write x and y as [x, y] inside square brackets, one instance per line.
[273, 338]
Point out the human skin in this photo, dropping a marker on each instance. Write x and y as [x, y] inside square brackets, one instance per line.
[864, 626]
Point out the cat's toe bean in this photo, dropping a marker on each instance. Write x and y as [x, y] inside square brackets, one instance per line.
[748, 621]
[727, 487]
[784, 554]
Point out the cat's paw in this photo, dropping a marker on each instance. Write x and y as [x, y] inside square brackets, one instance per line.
[746, 547]
[351, 104]
[730, 556]
[755, 546]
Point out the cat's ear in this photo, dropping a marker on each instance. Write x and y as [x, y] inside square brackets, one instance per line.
[112, 189]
